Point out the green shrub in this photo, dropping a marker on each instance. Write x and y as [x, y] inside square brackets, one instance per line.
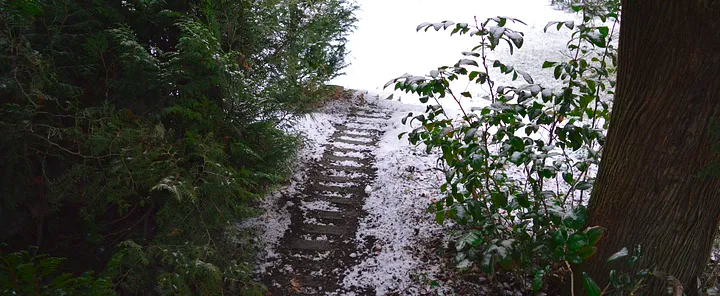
[136, 128]
[517, 169]
[24, 274]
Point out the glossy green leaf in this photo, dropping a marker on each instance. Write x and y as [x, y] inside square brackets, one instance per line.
[587, 251]
[547, 64]
[591, 287]
[573, 258]
[537, 281]
[440, 217]
[577, 241]
[560, 236]
[594, 234]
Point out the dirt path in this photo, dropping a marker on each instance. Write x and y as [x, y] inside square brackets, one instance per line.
[319, 247]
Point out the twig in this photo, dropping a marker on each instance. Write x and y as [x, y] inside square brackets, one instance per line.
[23, 90]
[572, 279]
[56, 145]
[491, 84]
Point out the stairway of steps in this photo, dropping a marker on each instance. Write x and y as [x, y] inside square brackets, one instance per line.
[320, 246]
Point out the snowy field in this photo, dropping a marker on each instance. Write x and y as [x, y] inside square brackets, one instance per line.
[405, 258]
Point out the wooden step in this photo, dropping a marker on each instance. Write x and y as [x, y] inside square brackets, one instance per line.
[332, 157]
[353, 142]
[374, 138]
[330, 215]
[325, 229]
[331, 149]
[385, 117]
[365, 130]
[336, 179]
[344, 168]
[340, 201]
[310, 245]
[339, 189]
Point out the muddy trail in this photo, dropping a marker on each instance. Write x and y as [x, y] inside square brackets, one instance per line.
[320, 244]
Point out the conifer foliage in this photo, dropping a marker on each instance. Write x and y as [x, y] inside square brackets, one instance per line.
[134, 132]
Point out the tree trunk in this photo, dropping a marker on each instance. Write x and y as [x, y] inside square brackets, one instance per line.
[655, 186]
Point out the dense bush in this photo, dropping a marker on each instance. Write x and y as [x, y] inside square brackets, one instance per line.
[134, 132]
[518, 169]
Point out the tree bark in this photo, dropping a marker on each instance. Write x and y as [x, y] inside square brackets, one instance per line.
[655, 186]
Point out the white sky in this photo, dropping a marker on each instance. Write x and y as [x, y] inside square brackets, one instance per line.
[386, 45]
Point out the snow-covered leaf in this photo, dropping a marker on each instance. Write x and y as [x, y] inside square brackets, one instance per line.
[618, 255]
[468, 62]
[516, 38]
[526, 76]
[496, 32]
[548, 25]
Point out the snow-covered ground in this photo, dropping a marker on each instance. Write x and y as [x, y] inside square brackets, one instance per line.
[270, 227]
[397, 221]
[396, 207]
